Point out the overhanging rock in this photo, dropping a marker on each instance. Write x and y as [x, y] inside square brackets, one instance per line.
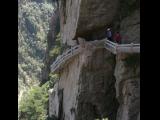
[79, 17]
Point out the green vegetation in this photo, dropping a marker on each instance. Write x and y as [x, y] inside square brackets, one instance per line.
[34, 104]
[57, 48]
[52, 79]
[33, 26]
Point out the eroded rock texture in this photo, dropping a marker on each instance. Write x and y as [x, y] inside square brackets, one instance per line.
[127, 75]
[79, 17]
[130, 28]
[89, 86]
[96, 83]
[97, 93]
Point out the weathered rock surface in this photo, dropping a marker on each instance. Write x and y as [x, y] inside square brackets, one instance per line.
[130, 28]
[79, 17]
[88, 86]
[97, 93]
[95, 84]
[55, 102]
[127, 73]
[91, 91]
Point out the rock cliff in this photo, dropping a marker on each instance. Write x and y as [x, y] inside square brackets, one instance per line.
[51, 39]
[97, 84]
[79, 18]
[127, 73]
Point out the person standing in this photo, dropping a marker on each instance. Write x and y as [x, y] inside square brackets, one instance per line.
[109, 34]
[117, 37]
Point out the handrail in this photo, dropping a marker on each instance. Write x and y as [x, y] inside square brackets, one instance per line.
[110, 42]
[125, 48]
[111, 46]
[62, 58]
[68, 54]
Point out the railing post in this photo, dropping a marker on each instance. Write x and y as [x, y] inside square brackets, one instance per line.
[71, 50]
[116, 49]
[132, 47]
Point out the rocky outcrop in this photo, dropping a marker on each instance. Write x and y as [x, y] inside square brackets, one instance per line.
[130, 28]
[127, 73]
[97, 84]
[79, 18]
[97, 92]
[91, 91]
[88, 86]
[55, 104]
[54, 101]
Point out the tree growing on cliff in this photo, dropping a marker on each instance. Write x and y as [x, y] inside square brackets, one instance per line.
[33, 105]
[52, 42]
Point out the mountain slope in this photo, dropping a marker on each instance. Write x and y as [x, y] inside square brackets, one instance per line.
[33, 25]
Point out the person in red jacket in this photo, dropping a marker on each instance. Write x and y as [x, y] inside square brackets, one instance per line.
[117, 37]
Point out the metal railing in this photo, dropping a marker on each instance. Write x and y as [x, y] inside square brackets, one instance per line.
[111, 46]
[61, 59]
[122, 48]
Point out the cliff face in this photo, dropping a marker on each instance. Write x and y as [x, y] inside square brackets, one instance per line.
[87, 83]
[127, 73]
[97, 84]
[79, 18]
[51, 39]
[130, 28]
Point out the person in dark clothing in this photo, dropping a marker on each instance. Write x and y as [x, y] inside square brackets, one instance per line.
[109, 34]
[117, 37]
